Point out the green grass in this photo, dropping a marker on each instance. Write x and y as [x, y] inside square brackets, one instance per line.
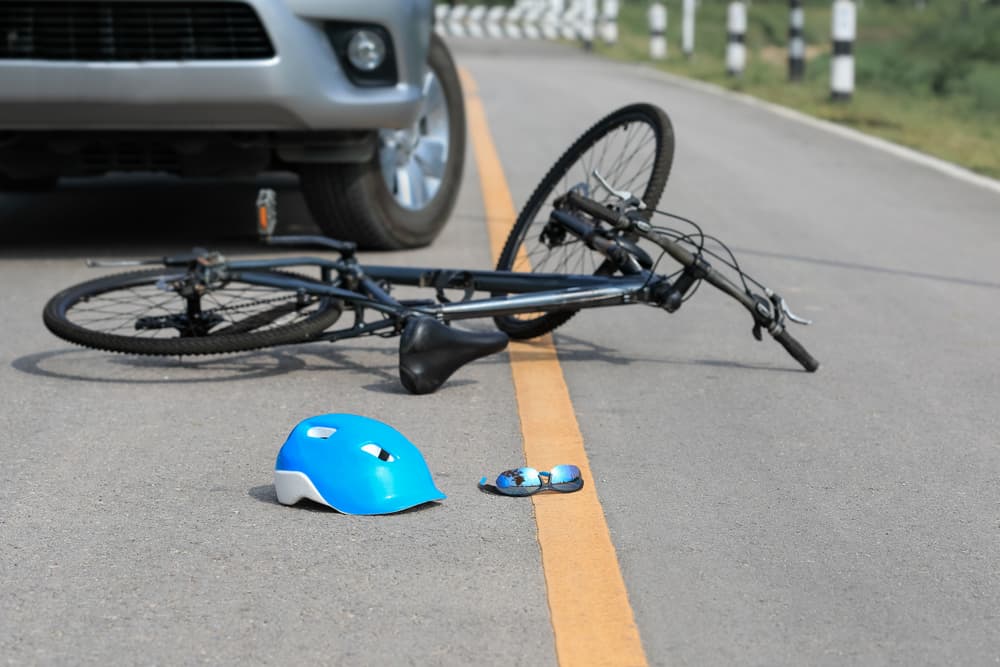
[926, 79]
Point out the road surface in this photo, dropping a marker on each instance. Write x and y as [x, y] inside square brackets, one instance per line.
[758, 514]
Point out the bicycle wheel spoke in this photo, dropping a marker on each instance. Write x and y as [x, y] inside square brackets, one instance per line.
[244, 308]
[117, 312]
[146, 312]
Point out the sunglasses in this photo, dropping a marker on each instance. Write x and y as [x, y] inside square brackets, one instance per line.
[527, 481]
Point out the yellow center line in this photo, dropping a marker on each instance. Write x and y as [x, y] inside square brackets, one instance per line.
[592, 619]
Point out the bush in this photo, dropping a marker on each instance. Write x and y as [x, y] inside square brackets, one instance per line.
[982, 84]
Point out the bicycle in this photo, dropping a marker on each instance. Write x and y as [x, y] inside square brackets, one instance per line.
[583, 240]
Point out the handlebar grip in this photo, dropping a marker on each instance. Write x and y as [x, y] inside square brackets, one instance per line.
[595, 209]
[795, 349]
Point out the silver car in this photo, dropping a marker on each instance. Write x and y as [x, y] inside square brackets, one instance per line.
[358, 97]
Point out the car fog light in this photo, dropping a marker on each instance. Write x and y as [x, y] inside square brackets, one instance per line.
[366, 50]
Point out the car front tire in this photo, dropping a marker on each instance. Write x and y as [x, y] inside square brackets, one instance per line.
[402, 197]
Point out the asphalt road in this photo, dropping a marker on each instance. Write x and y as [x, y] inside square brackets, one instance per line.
[761, 515]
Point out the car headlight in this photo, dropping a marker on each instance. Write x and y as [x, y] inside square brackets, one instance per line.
[365, 52]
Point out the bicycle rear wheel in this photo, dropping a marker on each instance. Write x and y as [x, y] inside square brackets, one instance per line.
[143, 312]
[633, 149]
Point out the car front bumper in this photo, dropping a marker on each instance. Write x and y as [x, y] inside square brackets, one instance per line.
[303, 87]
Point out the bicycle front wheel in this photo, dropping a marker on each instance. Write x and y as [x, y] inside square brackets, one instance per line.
[633, 149]
[145, 312]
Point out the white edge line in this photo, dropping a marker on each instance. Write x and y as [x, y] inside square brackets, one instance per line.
[943, 166]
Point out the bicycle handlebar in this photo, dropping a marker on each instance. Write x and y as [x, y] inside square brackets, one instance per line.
[596, 209]
[770, 320]
[794, 348]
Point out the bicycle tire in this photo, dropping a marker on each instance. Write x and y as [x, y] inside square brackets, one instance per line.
[128, 291]
[647, 182]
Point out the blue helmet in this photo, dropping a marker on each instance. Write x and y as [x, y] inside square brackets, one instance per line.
[353, 464]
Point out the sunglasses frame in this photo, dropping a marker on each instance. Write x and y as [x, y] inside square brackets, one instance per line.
[544, 476]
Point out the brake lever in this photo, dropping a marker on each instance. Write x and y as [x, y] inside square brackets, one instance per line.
[782, 306]
[770, 313]
[626, 197]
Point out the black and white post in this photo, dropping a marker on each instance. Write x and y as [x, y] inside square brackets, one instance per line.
[687, 29]
[588, 22]
[657, 16]
[844, 29]
[796, 41]
[609, 22]
[736, 28]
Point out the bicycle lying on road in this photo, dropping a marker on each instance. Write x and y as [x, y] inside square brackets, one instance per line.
[583, 240]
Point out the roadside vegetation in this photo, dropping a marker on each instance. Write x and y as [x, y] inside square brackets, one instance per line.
[927, 73]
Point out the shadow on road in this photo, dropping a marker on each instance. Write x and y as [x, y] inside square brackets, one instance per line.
[85, 365]
[340, 360]
[154, 215]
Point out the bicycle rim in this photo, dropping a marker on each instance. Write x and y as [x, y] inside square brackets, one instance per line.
[632, 148]
[140, 313]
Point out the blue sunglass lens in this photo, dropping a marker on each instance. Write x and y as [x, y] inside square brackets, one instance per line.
[519, 482]
[565, 478]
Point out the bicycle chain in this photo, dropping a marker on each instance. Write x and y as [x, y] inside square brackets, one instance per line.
[249, 304]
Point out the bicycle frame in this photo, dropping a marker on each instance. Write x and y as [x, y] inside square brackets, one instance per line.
[429, 350]
[524, 293]
[220, 306]
[532, 292]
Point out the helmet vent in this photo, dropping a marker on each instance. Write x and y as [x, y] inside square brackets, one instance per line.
[321, 432]
[378, 452]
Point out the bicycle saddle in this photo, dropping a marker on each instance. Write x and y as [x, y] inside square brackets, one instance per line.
[430, 351]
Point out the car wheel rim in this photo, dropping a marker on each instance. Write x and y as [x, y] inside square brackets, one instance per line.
[413, 159]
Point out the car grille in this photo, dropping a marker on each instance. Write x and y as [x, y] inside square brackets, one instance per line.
[102, 157]
[130, 31]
